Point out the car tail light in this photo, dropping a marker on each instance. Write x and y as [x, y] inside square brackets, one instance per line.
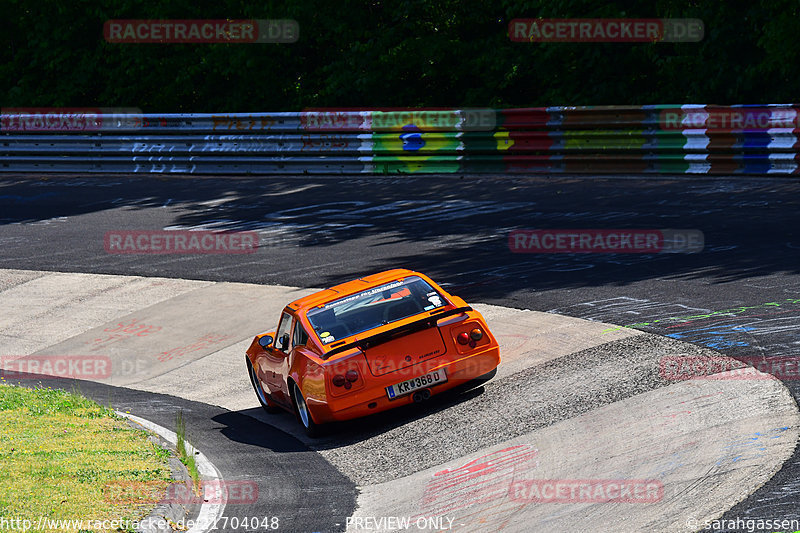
[463, 338]
[347, 380]
[476, 334]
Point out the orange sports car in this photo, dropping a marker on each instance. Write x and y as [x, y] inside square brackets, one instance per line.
[369, 345]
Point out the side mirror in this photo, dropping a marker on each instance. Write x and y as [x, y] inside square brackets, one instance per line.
[265, 341]
[283, 342]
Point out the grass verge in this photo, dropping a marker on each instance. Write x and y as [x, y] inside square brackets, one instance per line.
[186, 457]
[61, 456]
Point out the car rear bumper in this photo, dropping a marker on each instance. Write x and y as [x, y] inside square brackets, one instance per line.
[374, 399]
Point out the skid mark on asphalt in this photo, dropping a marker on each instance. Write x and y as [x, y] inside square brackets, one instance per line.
[331, 219]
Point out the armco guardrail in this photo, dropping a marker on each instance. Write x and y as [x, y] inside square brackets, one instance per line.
[660, 138]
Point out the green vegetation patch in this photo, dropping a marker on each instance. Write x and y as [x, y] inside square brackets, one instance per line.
[63, 456]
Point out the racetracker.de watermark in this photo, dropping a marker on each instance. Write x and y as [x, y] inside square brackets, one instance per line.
[150, 523]
[733, 118]
[587, 490]
[69, 118]
[180, 242]
[229, 492]
[680, 368]
[88, 367]
[136, 31]
[392, 119]
[618, 241]
[597, 30]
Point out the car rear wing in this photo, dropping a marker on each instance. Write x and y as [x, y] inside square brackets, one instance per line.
[405, 329]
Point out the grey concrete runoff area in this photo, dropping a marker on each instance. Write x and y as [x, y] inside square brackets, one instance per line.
[579, 413]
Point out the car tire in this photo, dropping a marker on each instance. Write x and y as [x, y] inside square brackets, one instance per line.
[263, 398]
[303, 414]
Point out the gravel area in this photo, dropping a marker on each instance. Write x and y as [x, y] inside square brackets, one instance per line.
[453, 425]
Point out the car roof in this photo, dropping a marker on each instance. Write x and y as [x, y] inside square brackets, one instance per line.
[351, 287]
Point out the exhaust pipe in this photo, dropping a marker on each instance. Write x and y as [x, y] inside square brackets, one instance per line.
[421, 395]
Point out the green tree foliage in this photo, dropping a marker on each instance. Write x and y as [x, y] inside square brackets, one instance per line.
[366, 53]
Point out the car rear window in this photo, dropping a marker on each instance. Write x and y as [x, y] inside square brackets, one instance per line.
[373, 307]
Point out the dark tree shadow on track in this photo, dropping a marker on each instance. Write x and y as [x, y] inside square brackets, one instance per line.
[319, 231]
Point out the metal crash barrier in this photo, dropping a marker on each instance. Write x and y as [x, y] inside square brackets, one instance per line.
[691, 139]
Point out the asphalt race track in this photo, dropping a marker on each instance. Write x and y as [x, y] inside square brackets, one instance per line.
[573, 398]
[739, 297]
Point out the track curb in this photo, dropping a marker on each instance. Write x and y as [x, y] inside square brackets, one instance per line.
[210, 513]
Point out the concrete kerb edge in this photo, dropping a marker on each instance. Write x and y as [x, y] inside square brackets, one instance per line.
[210, 513]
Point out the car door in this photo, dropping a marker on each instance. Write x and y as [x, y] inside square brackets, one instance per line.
[275, 365]
[298, 361]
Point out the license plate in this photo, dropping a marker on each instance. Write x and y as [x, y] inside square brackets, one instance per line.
[405, 387]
